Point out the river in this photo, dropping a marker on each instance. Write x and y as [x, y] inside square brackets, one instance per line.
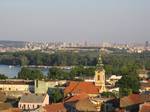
[12, 71]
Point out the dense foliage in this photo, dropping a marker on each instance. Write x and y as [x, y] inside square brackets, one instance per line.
[117, 62]
[30, 74]
[57, 73]
[38, 58]
[78, 71]
[129, 84]
[55, 95]
[2, 76]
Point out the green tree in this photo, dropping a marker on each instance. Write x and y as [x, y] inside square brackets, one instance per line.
[24, 61]
[2, 76]
[56, 95]
[57, 74]
[128, 84]
[30, 74]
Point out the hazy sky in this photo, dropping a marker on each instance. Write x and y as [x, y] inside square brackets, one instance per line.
[75, 20]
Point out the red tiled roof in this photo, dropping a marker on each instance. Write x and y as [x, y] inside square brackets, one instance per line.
[56, 107]
[77, 97]
[145, 108]
[82, 87]
[130, 100]
[12, 110]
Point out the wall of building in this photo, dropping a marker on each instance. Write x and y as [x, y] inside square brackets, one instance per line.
[43, 86]
[34, 105]
[14, 87]
[29, 105]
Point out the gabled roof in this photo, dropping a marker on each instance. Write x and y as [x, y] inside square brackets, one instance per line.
[145, 107]
[12, 110]
[81, 87]
[133, 99]
[32, 98]
[85, 105]
[77, 97]
[55, 107]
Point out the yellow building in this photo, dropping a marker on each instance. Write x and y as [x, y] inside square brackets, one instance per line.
[100, 75]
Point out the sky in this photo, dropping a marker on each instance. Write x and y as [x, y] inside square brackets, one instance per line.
[75, 20]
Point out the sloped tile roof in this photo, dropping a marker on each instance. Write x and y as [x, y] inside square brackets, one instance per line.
[76, 87]
[56, 107]
[13, 110]
[32, 98]
[133, 99]
[77, 97]
[145, 107]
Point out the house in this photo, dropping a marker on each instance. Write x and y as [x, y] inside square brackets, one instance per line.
[42, 86]
[113, 79]
[131, 103]
[145, 107]
[33, 101]
[80, 102]
[145, 85]
[16, 85]
[143, 74]
[55, 107]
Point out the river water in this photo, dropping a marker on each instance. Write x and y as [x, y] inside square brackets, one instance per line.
[12, 71]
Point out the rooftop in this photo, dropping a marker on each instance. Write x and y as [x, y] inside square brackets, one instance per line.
[76, 87]
[145, 107]
[77, 97]
[17, 82]
[32, 98]
[134, 99]
[56, 107]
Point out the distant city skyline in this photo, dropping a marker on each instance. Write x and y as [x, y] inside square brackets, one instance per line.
[120, 21]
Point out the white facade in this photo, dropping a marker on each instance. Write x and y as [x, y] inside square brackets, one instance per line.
[33, 105]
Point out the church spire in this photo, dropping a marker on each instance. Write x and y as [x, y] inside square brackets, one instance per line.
[99, 63]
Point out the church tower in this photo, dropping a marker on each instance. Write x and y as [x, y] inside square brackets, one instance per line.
[100, 75]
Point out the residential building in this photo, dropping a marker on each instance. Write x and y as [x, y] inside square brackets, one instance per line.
[42, 86]
[33, 101]
[131, 103]
[17, 85]
[55, 107]
[113, 79]
[145, 85]
[145, 107]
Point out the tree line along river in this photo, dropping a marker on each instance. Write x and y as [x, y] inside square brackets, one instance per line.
[12, 71]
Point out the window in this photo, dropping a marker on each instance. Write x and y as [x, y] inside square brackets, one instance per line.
[24, 106]
[98, 77]
[28, 107]
[38, 106]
